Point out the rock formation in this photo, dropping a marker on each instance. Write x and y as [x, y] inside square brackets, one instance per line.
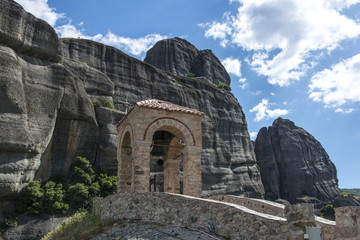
[180, 57]
[47, 118]
[293, 164]
[228, 162]
[346, 199]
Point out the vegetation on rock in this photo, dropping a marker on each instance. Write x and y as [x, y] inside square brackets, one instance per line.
[355, 191]
[328, 212]
[222, 86]
[59, 196]
[191, 75]
[102, 102]
[81, 225]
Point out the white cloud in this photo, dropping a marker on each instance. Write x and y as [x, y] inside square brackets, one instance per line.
[340, 110]
[256, 93]
[233, 66]
[243, 83]
[285, 33]
[41, 9]
[135, 46]
[339, 85]
[71, 31]
[253, 135]
[263, 111]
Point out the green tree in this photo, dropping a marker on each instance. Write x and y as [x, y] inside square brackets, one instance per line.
[328, 212]
[77, 196]
[31, 198]
[107, 184]
[53, 198]
[82, 171]
[94, 190]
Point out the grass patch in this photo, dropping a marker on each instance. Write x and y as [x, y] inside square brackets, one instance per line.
[222, 86]
[345, 195]
[82, 225]
[102, 102]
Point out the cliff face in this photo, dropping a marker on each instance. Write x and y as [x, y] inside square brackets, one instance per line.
[47, 118]
[180, 57]
[44, 108]
[228, 162]
[293, 164]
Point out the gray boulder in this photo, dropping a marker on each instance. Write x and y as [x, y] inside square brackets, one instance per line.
[180, 57]
[293, 164]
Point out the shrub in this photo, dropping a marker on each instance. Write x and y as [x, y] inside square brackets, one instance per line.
[94, 190]
[102, 102]
[82, 171]
[345, 195]
[10, 221]
[53, 198]
[84, 184]
[191, 75]
[223, 86]
[328, 212]
[31, 198]
[77, 196]
[107, 184]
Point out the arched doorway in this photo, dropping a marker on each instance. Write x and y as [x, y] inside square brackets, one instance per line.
[166, 162]
[125, 169]
[166, 138]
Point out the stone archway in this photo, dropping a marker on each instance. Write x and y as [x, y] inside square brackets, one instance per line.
[149, 118]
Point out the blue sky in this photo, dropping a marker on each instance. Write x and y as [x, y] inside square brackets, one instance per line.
[298, 59]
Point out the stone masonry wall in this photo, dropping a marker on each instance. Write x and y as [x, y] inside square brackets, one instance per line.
[214, 217]
[258, 205]
[327, 227]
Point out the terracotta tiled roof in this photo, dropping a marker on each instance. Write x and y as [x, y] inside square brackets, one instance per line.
[158, 104]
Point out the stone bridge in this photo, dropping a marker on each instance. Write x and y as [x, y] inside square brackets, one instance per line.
[231, 218]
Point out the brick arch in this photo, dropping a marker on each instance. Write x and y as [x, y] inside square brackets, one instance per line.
[128, 128]
[172, 125]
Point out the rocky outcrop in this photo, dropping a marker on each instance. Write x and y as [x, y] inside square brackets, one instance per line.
[346, 199]
[228, 161]
[180, 57]
[33, 227]
[293, 164]
[106, 153]
[25, 33]
[47, 117]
